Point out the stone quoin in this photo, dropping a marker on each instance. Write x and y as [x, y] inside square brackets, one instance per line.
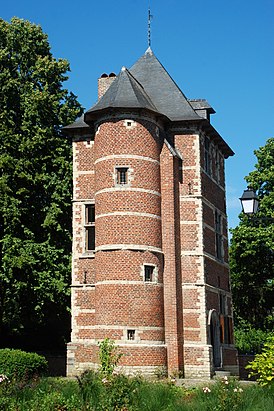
[150, 248]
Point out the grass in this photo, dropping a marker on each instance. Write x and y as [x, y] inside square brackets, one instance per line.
[119, 393]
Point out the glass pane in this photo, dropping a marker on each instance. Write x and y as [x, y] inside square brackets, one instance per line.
[90, 238]
[131, 334]
[90, 213]
[122, 175]
[148, 272]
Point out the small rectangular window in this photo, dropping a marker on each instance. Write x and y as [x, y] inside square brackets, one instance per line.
[217, 166]
[218, 235]
[148, 273]
[226, 334]
[122, 175]
[131, 335]
[90, 238]
[90, 213]
[89, 227]
[222, 303]
[207, 156]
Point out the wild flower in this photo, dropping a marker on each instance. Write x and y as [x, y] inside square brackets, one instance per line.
[225, 380]
[105, 381]
[206, 390]
[4, 378]
[238, 389]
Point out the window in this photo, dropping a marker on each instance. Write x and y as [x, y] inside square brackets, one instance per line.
[225, 321]
[218, 235]
[89, 227]
[222, 303]
[129, 123]
[217, 166]
[207, 156]
[131, 335]
[148, 273]
[121, 175]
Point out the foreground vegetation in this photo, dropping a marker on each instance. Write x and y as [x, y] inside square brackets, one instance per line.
[23, 387]
[119, 393]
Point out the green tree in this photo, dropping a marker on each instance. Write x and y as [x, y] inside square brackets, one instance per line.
[35, 185]
[252, 250]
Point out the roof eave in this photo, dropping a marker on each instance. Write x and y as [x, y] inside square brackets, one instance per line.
[215, 136]
[205, 125]
[93, 115]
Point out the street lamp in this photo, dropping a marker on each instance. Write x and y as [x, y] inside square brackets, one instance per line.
[249, 201]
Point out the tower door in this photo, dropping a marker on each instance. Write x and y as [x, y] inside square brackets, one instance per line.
[214, 323]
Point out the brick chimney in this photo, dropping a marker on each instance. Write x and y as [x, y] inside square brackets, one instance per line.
[104, 83]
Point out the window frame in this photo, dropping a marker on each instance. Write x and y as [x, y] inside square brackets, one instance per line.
[218, 235]
[149, 273]
[218, 166]
[122, 175]
[207, 156]
[153, 277]
[89, 227]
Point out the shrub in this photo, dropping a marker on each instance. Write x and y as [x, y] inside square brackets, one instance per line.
[91, 388]
[115, 392]
[250, 340]
[263, 365]
[109, 357]
[21, 365]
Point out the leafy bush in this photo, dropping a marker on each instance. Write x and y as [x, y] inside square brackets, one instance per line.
[115, 392]
[21, 365]
[91, 388]
[263, 365]
[250, 340]
[109, 357]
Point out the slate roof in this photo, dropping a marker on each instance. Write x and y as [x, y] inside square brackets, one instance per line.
[124, 92]
[78, 124]
[163, 91]
[201, 104]
[147, 85]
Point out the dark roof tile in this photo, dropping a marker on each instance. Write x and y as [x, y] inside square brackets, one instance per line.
[124, 92]
[78, 124]
[163, 91]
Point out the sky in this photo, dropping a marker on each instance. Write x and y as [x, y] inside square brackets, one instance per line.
[222, 51]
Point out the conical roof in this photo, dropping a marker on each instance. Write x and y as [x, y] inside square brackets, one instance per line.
[79, 124]
[147, 85]
[124, 92]
[161, 88]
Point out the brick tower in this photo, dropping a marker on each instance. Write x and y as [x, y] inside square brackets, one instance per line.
[149, 263]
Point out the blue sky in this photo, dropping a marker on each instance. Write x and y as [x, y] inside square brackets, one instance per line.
[219, 50]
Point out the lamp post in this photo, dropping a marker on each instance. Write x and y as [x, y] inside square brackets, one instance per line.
[249, 201]
[250, 205]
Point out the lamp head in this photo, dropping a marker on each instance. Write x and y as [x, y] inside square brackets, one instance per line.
[249, 201]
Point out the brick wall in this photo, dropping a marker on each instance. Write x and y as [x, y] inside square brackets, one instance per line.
[163, 217]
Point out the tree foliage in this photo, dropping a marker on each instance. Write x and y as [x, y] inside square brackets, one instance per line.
[35, 183]
[263, 365]
[252, 249]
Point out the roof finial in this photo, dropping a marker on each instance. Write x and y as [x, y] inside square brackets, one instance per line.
[149, 23]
